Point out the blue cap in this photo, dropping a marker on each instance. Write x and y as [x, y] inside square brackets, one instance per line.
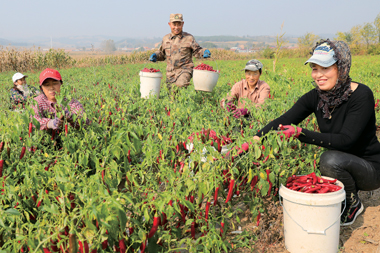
[323, 56]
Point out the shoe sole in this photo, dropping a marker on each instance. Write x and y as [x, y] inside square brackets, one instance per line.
[353, 220]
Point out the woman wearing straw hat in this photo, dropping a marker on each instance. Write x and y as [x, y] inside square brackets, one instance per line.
[346, 117]
[21, 92]
[249, 89]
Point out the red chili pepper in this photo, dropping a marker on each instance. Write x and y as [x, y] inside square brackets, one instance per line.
[193, 230]
[314, 177]
[83, 247]
[46, 250]
[221, 228]
[207, 210]
[1, 146]
[103, 172]
[231, 190]
[254, 182]
[22, 152]
[66, 130]
[181, 167]
[142, 247]
[30, 128]
[122, 246]
[129, 156]
[258, 220]
[1, 167]
[72, 197]
[270, 183]
[216, 195]
[156, 221]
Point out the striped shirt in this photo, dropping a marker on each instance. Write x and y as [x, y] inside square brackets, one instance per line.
[45, 110]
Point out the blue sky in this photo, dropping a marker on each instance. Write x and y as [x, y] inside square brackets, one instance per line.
[44, 18]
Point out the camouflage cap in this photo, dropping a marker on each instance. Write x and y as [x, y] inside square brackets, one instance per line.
[253, 65]
[176, 17]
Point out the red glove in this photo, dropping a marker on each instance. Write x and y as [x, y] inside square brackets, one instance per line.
[231, 107]
[241, 112]
[290, 131]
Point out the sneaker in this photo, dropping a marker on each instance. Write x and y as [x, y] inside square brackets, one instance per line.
[351, 212]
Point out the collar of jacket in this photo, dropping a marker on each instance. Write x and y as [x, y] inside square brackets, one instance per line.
[246, 84]
[179, 35]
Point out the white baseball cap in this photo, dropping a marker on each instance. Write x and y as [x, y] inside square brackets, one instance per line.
[17, 76]
[323, 55]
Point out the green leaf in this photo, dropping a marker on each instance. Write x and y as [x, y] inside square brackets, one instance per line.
[122, 217]
[146, 215]
[12, 211]
[36, 123]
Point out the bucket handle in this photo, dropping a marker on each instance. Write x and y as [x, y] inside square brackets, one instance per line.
[311, 231]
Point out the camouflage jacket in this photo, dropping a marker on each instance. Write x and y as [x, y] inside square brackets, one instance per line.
[179, 51]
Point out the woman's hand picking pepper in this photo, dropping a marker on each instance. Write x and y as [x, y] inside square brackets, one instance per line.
[55, 123]
[290, 131]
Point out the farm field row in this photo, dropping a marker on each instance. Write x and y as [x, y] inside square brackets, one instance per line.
[111, 183]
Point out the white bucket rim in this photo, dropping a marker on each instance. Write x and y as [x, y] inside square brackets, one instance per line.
[152, 75]
[217, 71]
[313, 199]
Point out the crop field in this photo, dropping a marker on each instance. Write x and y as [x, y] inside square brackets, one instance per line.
[128, 180]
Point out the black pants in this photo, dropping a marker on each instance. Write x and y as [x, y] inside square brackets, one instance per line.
[354, 172]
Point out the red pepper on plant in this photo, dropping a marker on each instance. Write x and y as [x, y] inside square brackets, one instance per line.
[22, 152]
[156, 222]
[230, 190]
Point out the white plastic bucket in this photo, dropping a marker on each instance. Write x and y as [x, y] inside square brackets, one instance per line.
[312, 220]
[150, 84]
[205, 80]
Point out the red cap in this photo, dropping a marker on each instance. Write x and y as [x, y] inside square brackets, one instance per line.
[50, 73]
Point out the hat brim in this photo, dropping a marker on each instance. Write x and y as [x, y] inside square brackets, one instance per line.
[176, 20]
[251, 68]
[42, 81]
[321, 62]
[20, 77]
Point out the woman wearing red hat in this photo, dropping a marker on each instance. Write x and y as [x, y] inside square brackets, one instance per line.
[46, 113]
[21, 92]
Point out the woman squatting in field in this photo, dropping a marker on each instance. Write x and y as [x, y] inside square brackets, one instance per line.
[21, 92]
[249, 89]
[46, 111]
[346, 117]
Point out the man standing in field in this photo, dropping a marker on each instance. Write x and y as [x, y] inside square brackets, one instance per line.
[178, 48]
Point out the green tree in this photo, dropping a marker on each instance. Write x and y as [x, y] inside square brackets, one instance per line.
[346, 36]
[376, 23]
[308, 40]
[368, 33]
[108, 46]
[356, 35]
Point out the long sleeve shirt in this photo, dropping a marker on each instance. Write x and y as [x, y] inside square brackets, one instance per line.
[241, 90]
[178, 51]
[351, 128]
[46, 111]
[18, 98]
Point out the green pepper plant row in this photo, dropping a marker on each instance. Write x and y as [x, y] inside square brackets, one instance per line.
[128, 181]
